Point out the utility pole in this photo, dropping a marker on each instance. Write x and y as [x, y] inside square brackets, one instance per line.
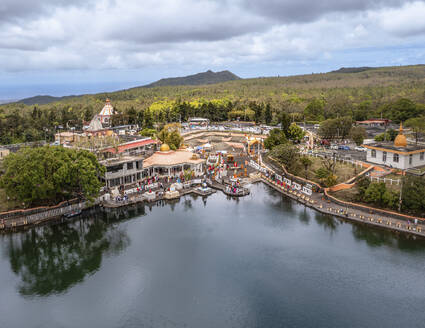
[401, 195]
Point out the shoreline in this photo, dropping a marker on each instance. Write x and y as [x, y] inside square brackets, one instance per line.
[325, 207]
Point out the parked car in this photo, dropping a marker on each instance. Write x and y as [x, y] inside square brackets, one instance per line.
[343, 147]
[360, 148]
[334, 147]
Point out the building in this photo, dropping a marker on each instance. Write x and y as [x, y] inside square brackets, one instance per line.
[3, 153]
[374, 123]
[398, 154]
[122, 171]
[173, 163]
[65, 137]
[105, 115]
[128, 170]
[133, 148]
[198, 121]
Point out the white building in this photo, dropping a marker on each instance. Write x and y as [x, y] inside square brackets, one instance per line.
[106, 113]
[399, 154]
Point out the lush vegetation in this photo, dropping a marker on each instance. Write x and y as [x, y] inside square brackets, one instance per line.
[48, 175]
[384, 195]
[396, 93]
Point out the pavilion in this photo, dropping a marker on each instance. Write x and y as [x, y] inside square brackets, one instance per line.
[171, 163]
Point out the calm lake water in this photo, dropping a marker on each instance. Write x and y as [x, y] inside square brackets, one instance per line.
[260, 261]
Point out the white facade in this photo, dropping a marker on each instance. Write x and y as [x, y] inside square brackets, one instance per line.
[397, 160]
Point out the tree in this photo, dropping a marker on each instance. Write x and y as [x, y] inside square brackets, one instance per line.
[336, 128]
[285, 122]
[417, 124]
[401, 110]
[358, 133]
[390, 135]
[148, 132]
[268, 114]
[315, 110]
[322, 173]
[174, 140]
[275, 138]
[362, 185]
[413, 193]
[287, 155]
[170, 135]
[374, 193]
[329, 164]
[326, 177]
[306, 162]
[47, 175]
[295, 133]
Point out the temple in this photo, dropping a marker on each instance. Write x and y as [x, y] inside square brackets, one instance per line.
[398, 154]
[105, 115]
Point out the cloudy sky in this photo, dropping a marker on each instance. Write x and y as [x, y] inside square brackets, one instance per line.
[73, 46]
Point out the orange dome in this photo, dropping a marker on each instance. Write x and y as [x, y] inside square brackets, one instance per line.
[400, 140]
[164, 147]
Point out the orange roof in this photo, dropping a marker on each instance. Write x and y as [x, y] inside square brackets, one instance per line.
[130, 145]
[171, 158]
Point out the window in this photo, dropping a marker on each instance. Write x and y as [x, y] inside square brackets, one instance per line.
[373, 153]
[421, 156]
[129, 165]
[114, 168]
[384, 156]
[410, 159]
[395, 158]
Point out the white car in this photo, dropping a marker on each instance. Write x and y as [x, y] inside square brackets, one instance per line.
[360, 148]
[334, 147]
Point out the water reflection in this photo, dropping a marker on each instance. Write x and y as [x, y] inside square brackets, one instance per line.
[51, 259]
[327, 222]
[375, 237]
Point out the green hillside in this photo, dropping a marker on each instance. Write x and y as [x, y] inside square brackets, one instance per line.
[208, 77]
[397, 93]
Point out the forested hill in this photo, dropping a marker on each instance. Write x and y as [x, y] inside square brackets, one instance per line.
[396, 93]
[42, 100]
[208, 77]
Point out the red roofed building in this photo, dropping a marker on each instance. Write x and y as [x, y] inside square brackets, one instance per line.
[133, 148]
[374, 122]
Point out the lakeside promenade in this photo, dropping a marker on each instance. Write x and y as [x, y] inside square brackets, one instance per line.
[320, 204]
[318, 201]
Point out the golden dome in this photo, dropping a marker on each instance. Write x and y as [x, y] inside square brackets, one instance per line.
[164, 147]
[400, 140]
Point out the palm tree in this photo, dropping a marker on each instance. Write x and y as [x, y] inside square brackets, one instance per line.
[306, 162]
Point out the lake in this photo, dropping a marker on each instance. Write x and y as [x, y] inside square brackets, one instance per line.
[258, 261]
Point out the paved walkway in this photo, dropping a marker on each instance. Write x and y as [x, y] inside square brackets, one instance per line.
[319, 203]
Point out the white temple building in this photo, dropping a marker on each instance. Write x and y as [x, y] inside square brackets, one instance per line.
[106, 113]
[398, 154]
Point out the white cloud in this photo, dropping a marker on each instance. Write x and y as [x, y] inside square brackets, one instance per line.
[406, 21]
[130, 34]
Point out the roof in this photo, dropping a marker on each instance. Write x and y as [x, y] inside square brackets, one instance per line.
[374, 121]
[65, 134]
[116, 161]
[171, 158]
[131, 145]
[95, 124]
[107, 110]
[390, 147]
[199, 119]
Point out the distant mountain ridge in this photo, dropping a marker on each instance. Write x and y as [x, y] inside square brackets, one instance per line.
[42, 100]
[208, 77]
[345, 76]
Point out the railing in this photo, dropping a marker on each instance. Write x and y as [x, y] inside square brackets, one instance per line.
[385, 180]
